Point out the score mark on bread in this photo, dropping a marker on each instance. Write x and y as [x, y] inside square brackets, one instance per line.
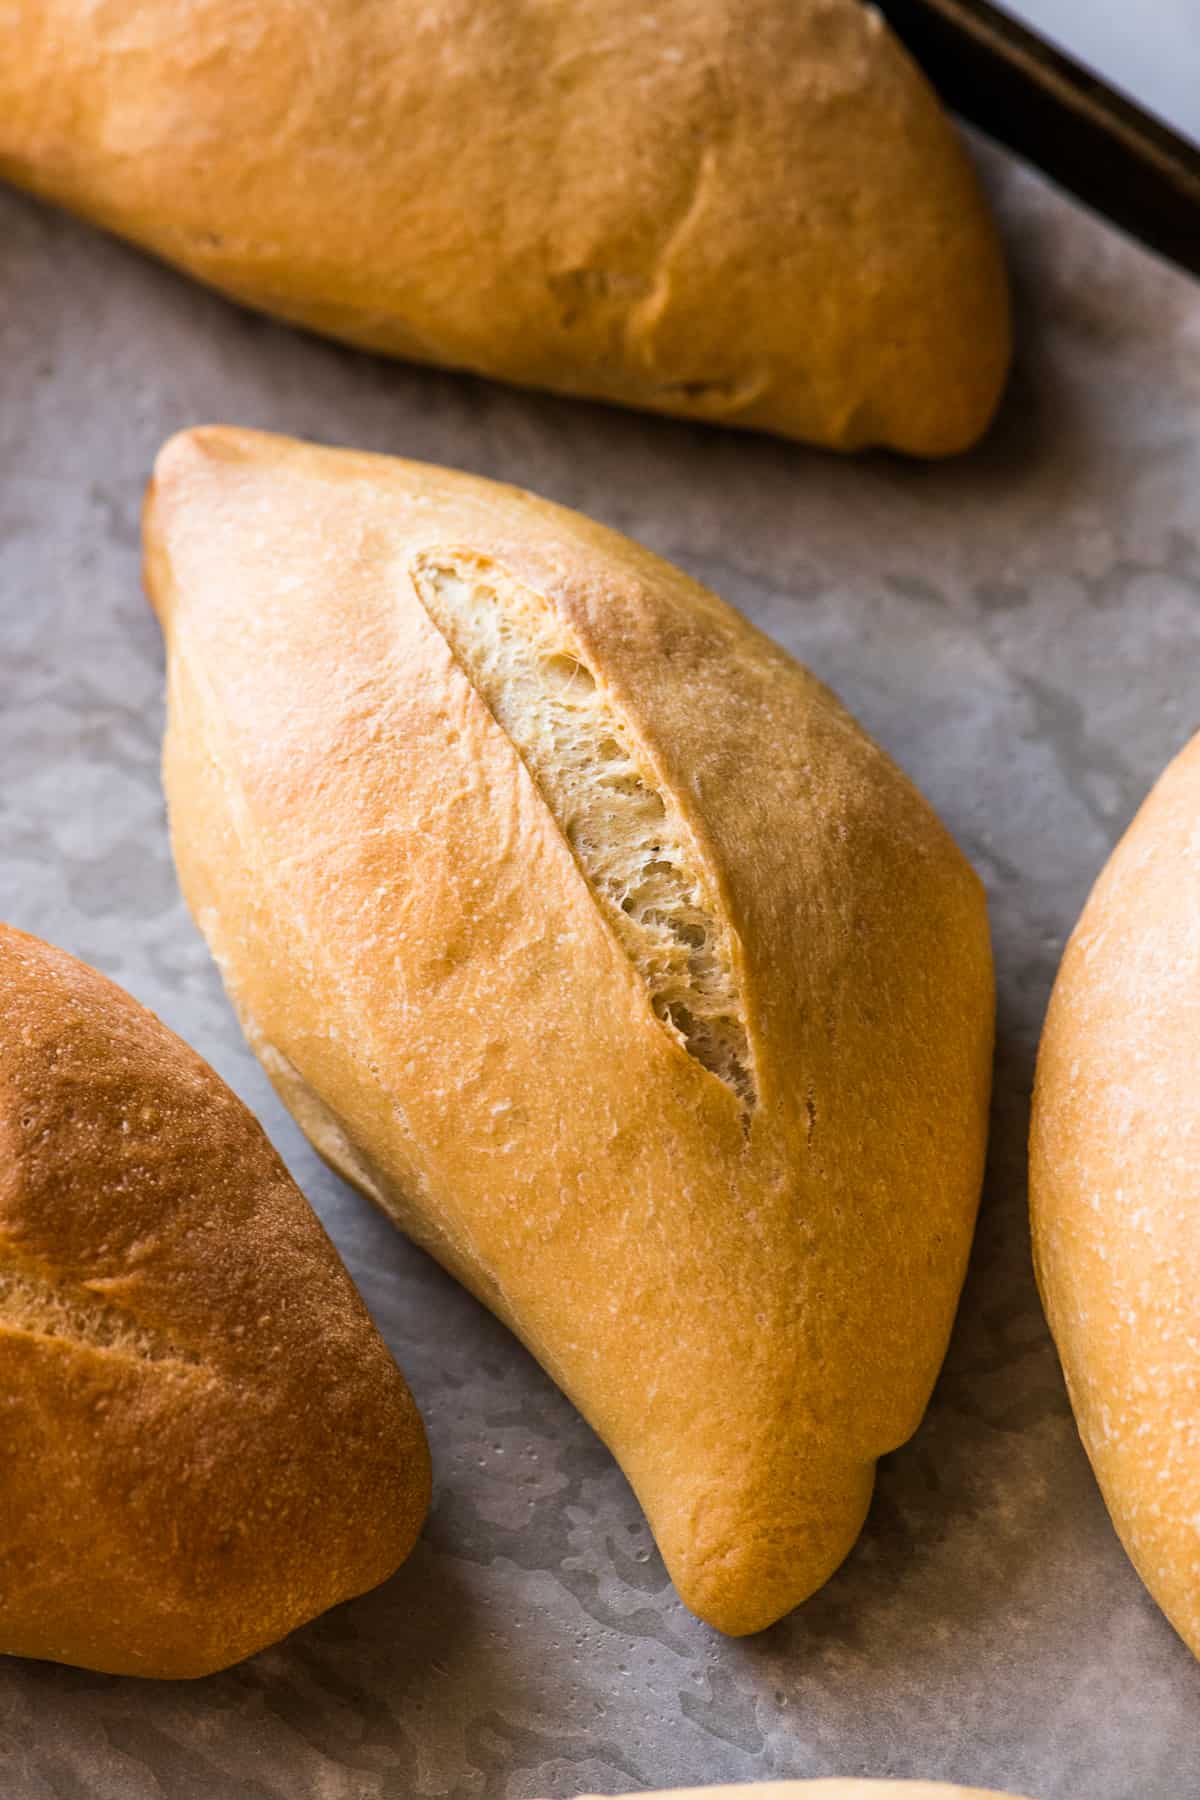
[464, 790]
[635, 850]
[33, 1304]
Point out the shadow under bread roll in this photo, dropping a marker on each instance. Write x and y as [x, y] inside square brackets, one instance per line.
[205, 1440]
[587, 933]
[1114, 1184]
[745, 211]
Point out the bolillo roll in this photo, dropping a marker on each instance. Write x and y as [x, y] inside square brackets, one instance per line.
[205, 1440]
[1114, 1184]
[585, 932]
[835, 1789]
[751, 211]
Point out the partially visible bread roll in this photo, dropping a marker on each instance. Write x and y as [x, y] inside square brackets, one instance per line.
[751, 211]
[205, 1440]
[1115, 1186]
[822, 1790]
[587, 933]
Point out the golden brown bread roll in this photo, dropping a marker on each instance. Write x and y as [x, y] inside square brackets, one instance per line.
[586, 932]
[205, 1439]
[822, 1790]
[1115, 1185]
[751, 211]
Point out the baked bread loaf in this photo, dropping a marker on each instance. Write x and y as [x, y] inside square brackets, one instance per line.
[587, 934]
[205, 1439]
[1115, 1185]
[751, 211]
[823, 1790]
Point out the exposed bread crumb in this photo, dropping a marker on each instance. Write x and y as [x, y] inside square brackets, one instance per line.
[629, 839]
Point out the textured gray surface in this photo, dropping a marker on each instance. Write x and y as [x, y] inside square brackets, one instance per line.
[1022, 629]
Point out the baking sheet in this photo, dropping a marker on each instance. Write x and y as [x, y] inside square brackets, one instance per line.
[1021, 628]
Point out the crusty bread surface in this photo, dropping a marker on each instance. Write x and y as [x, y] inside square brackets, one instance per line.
[751, 211]
[1115, 1186]
[822, 1790]
[587, 933]
[205, 1440]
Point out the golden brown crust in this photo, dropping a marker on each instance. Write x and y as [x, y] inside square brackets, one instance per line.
[736, 210]
[1115, 1185]
[824, 1790]
[206, 1441]
[749, 1306]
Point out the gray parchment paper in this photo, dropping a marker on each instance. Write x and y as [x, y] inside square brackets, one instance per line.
[1022, 629]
